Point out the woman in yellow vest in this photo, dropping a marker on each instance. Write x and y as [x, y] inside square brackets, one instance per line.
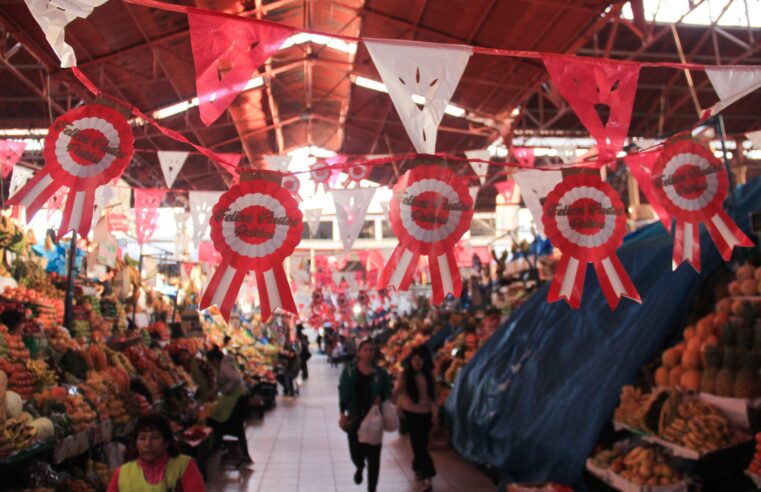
[158, 467]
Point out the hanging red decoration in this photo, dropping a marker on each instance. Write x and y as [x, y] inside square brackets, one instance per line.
[584, 218]
[357, 172]
[85, 148]
[292, 184]
[320, 175]
[601, 92]
[691, 184]
[430, 210]
[255, 225]
[147, 203]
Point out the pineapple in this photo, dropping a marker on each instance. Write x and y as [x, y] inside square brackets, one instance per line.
[712, 362]
[725, 379]
[747, 380]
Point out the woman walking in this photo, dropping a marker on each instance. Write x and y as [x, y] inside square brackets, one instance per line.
[362, 385]
[158, 467]
[416, 396]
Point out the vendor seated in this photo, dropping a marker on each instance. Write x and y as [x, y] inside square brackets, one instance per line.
[158, 467]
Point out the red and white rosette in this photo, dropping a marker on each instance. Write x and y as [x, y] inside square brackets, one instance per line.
[255, 225]
[584, 218]
[85, 148]
[292, 184]
[357, 172]
[320, 173]
[430, 210]
[691, 184]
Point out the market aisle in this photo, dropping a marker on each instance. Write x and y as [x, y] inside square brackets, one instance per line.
[299, 448]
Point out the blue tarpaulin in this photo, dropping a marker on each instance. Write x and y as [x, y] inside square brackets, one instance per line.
[532, 402]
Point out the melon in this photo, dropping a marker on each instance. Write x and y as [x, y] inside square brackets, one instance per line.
[662, 376]
[705, 328]
[690, 380]
[745, 272]
[749, 287]
[45, 428]
[675, 375]
[691, 359]
[14, 404]
[671, 358]
[724, 306]
[734, 288]
[25, 417]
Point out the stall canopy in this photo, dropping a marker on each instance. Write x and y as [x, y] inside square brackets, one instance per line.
[533, 401]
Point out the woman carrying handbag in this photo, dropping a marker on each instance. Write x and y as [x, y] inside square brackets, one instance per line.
[416, 396]
[362, 386]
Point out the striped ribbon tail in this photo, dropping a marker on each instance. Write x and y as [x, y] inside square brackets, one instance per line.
[399, 270]
[77, 214]
[274, 292]
[35, 193]
[568, 283]
[223, 288]
[686, 245]
[445, 276]
[615, 282]
[726, 234]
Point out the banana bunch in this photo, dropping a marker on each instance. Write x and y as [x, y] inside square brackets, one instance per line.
[629, 412]
[19, 434]
[41, 372]
[699, 427]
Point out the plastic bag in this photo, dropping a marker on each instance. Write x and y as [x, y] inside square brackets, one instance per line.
[390, 416]
[371, 429]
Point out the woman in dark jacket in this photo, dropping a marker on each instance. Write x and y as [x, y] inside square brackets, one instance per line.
[362, 385]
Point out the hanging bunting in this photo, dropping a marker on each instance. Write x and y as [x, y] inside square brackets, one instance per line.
[691, 184]
[255, 225]
[534, 186]
[53, 16]
[147, 202]
[85, 148]
[601, 92]
[10, 153]
[182, 239]
[567, 153]
[312, 216]
[229, 162]
[431, 209]
[351, 210]
[357, 172]
[524, 156]
[171, 163]
[201, 204]
[103, 197]
[320, 174]
[480, 168]
[385, 206]
[641, 167]
[421, 70]
[585, 219]
[279, 163]
[508, 191]
[226, 53]
[755, 138]
[731, 84]
[473, 190]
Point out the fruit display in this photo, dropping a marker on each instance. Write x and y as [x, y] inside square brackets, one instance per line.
[17, 433]
[42, 373]
[159, 330]
[755, 465]
[721, 353]
[640, 464]
[20, 379]
[400, 344]
[14, 345]
[76, 486]
[680, 420]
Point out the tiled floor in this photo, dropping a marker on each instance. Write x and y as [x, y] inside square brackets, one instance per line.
[299, 448]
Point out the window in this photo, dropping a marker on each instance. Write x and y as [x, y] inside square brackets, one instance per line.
[483, 227]
[368, 230]
[386, 231]
[324, 231]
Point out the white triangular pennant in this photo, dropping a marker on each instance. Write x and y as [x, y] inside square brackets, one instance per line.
[567, 153]
[732, 83]
[201, 203]
[182, 240]
[385, 206]
[480, 168]
[278, 163]
[351, 209]
[104, 195]
[19, 178]
[755, 137]
[53, 16]
[312, 216]
[419, 73]
[535, 186]
[171, 162]
[473, 193]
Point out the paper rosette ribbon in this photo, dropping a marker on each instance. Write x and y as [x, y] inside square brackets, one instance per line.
[584, 218]
[85, 148]
[255, 225]
[430, 210]
[690, 183]
[357, 172]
